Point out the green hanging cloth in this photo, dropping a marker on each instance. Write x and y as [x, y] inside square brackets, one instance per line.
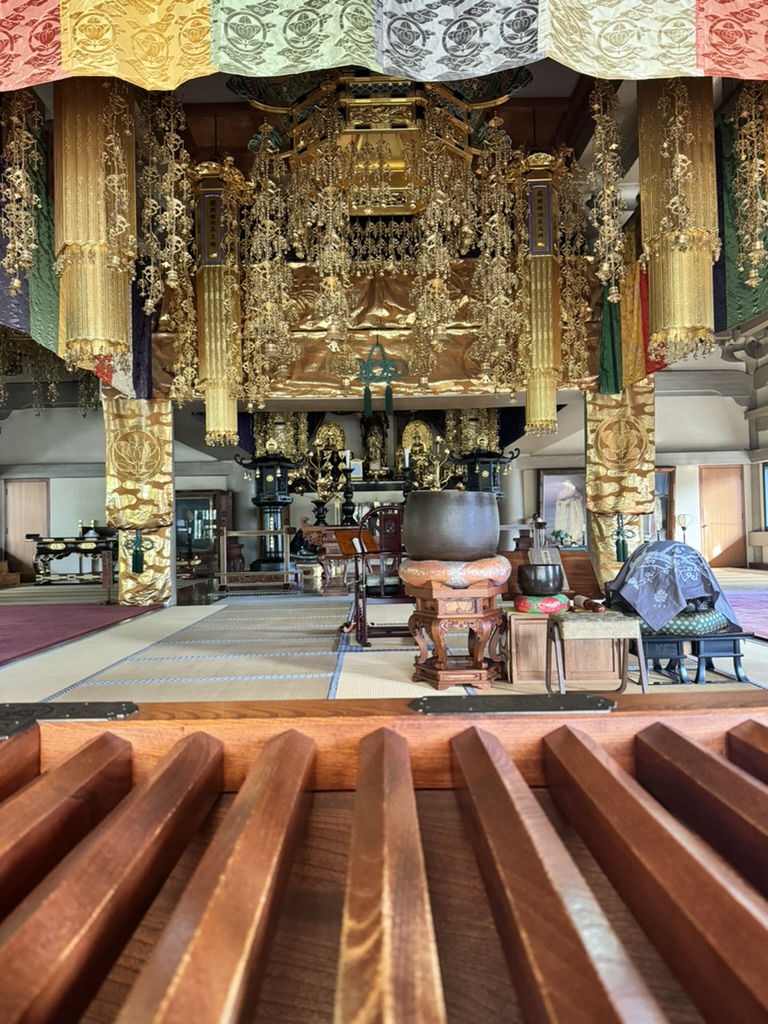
[367, 401]
[609, 381]
[388, 405]
[137, 558]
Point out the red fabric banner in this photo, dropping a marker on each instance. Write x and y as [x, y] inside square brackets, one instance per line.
[731, 38]
[30, 43]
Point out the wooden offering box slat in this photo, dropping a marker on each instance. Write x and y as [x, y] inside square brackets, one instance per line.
[354, 861]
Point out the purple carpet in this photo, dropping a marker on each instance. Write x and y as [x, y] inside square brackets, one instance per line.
[751, 607]
[28, 629]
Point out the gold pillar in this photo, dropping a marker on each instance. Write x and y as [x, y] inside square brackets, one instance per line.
[679, 212]
[545, 365]
[95, 220]
[218, 305]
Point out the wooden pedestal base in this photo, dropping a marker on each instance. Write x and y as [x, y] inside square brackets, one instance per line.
[441, 610]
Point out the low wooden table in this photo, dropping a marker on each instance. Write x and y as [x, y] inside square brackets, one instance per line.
[439, 611]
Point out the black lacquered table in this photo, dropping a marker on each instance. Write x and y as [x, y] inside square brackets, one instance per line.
[726, 643]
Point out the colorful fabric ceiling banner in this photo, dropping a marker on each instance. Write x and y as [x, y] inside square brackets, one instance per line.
[155, 45]
[295, 35]
[30, 43]
[162, 44]
[445, 41]
[622, 38]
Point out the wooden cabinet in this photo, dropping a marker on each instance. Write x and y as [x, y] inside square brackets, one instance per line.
[584, 660]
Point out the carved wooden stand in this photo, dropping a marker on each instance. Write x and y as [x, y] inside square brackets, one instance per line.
[441, 610]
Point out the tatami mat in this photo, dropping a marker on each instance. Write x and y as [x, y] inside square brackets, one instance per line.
[372, 673]
[190, 648]
[215, 667]
[268, 648]
[200, 689]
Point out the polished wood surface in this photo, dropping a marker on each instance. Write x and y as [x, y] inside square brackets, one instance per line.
[193, 975]
[506, 867]
[567, 963]
[19, 761]
[748, 747]
[388, 970]
[47, 818]
[710, 926]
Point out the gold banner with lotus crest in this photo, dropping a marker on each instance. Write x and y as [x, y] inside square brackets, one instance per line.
[139, 463]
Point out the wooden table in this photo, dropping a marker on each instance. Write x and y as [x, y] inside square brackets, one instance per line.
[441, 610]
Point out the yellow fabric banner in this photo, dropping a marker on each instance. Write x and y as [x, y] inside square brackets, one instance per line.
[621, 450]
[621, 39]
[632, 347]
[139, 463]
[153, 584]
[155, 45]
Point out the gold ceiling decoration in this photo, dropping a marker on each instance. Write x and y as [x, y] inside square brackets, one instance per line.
[22, 122]
[21, 356]
[500, 300]
[605, 178]
[749, 186]
[679, 213]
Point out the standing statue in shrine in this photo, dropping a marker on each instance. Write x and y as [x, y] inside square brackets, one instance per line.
[374, 429]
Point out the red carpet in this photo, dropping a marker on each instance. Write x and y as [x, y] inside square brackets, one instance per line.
[27, 629]
[751, 607]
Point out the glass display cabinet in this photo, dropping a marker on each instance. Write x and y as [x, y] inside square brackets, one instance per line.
[200, 518]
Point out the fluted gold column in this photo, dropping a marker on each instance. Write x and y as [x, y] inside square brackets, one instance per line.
[545, 362]
[218, 307]
[94, 227]
[678, 206]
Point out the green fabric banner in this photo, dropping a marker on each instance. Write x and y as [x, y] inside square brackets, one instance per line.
[43, 281]
[610, 377]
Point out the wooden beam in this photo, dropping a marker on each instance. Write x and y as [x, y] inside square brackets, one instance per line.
[567, 963]
[388, 967]
[747, 746]
[58, 945]
[41, 823]
[709, 925]
[719, 801]
[206, 965]
[19, 760]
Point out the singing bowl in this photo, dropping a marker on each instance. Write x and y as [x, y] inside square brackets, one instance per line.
[540, 580]
[456, 526]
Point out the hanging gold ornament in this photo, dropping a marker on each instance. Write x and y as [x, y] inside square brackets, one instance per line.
[545, 359]
[749, 187]
[22, 121]
[679, 213]
[95, 218]
[218, 304]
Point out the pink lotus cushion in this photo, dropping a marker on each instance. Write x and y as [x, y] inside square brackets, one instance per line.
[456, 574]
[548, 605]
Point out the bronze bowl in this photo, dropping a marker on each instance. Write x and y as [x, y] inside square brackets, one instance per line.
[540, 580]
